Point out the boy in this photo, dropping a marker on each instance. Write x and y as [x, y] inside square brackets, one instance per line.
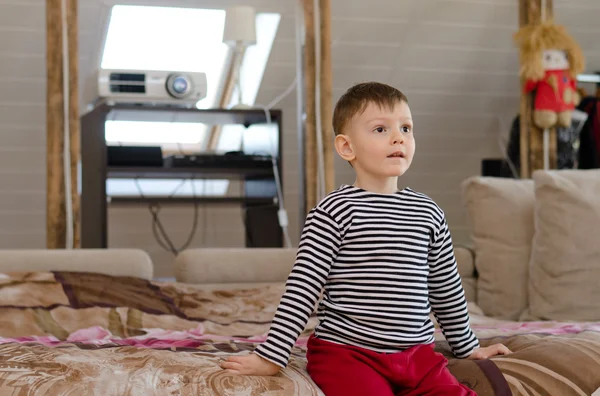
[383, 259]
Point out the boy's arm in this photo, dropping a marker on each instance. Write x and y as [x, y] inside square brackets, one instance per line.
[317, 250]
[446, 294]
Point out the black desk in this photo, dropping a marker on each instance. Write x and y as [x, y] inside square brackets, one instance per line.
[261, 212]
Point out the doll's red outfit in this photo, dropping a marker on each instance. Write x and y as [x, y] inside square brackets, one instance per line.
[555, 92]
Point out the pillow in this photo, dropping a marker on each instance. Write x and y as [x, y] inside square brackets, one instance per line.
[565, 257]
[465, 261]
[500, 213]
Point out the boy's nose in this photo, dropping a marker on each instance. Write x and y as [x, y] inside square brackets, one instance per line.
[397, 138]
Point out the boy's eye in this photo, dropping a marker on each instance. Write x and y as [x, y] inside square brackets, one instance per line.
[406, 129]
[379, 129]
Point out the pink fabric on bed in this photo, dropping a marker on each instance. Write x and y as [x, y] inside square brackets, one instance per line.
[554, 328]
[154, 338]
[92, 333]
[160, 339]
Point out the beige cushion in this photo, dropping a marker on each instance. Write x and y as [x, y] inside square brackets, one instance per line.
[466, 270]
[565, 260]
[500, 213]
[115, 262]
[234, 265]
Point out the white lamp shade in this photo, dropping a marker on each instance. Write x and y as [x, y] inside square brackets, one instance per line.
[240, 26]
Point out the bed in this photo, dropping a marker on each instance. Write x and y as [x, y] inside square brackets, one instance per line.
[85, 331]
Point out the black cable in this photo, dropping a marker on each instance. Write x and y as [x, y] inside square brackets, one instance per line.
[195, 222]
[158, 229]
[177, 188]
[154, 209]
[156, 224]
[204, 223]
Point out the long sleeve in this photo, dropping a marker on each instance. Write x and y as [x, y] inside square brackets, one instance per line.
[446, 294]
[319, 244]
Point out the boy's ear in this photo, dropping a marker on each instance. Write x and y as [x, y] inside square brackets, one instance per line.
[344, 147]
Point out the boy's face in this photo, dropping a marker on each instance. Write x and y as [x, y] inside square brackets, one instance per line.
[379, 142]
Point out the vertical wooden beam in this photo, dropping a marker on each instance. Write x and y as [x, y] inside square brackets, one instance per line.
[74, 120]
[549, 9]
[56, 223]
[524, 121]
[326, 80]
[534, 11]
[523, 7]
[536, 135]
[548, 14]
[532, 137]
[310, 144]
[55, 198]
[536, 146]
[525, 105]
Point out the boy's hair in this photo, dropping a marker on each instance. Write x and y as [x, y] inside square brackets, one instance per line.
[358, 97]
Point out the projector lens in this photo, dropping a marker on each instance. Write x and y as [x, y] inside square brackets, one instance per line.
[178, 85]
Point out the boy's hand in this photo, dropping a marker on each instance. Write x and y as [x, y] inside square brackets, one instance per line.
[487, 352]
[250, 365]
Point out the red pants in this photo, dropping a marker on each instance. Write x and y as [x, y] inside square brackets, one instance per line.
[348, 370]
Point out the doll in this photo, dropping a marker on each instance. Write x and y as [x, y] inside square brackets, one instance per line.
[550, 62]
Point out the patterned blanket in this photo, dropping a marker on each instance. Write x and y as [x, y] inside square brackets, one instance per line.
[67, 333]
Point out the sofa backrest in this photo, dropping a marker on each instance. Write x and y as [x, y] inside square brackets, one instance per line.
[115, 262]
[232, 268]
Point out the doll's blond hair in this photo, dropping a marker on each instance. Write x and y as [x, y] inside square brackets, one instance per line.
[534, 39]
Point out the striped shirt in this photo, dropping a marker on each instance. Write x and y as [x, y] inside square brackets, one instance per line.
[382, 263]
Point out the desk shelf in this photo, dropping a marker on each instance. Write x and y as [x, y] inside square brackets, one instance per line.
[191, 200]
[149, 172]
[261, 212]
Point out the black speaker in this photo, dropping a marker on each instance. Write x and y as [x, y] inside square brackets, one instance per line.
[262, 226]
[495, 167]
[134, 156]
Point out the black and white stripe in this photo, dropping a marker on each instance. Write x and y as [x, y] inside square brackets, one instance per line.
[382, 262]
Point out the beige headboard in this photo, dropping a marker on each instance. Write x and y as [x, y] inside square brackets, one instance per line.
[117, 262]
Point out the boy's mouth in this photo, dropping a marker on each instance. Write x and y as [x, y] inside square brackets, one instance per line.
[397, 154]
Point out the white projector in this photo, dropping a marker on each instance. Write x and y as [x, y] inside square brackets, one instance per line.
[151, 86]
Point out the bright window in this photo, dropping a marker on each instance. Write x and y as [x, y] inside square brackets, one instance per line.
[148, 132]
[171, 187]
[251, 74]
[168, 38]
[256, 57]
[257, 139]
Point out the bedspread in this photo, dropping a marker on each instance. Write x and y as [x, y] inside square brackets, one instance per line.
[67, 333]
